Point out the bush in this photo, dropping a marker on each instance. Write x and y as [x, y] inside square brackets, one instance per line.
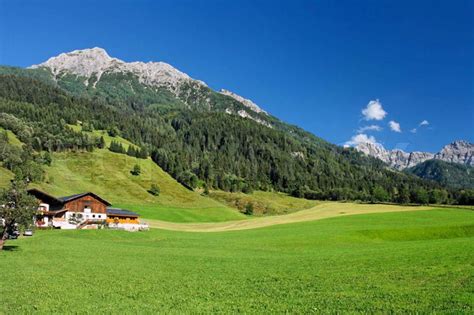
[136, 170]
[248, 209]
[154, 190]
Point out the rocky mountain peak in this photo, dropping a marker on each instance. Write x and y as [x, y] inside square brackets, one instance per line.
[91, 64]
[96, 61]
[460, 151]
[80, 62]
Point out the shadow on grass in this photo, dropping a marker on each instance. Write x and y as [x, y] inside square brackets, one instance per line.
[10, 248]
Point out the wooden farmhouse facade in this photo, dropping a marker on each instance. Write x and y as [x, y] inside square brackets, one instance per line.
[86, 210]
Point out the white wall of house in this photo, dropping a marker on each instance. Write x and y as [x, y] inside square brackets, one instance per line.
[86, 215]
[43, 206]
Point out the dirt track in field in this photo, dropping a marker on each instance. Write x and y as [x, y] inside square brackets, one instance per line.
[322, 211]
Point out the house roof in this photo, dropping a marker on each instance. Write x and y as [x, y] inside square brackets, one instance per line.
[45, 196]
[77, 196]
[121, 212]
[42, 195]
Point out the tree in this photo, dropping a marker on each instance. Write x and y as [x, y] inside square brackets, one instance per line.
[249, 209]
[206, 189]
[298, 192]
[379, 194]
[131, 151]
[47, 159]
[136, 170]
[141, 153]
[17, 209]
[421, 196]
[101, 143]
[404, 195]
[113, 132]
[438, 196]
[154, 190]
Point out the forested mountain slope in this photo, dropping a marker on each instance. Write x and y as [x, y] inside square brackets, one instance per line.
[201, 147]
[448, 174]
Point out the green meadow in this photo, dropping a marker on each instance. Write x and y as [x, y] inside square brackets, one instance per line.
[415, 261]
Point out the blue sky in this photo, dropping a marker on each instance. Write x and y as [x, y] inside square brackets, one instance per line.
[316, 64]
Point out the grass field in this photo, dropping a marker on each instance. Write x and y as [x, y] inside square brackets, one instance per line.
[420, 261]
[321, 211]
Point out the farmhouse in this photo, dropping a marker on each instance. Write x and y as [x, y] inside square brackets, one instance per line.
[86, 210]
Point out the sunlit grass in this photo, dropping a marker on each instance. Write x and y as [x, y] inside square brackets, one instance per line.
[355, 264]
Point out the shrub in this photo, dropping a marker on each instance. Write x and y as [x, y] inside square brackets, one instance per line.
[136, 170]
[248, 209]
[154, 190]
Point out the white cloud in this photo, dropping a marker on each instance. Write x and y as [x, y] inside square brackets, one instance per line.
[421, 124]
[374, 111]
[369, 128]
[394, 126]
[360, 138]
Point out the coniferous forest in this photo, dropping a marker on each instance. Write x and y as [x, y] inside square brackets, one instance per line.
[199, 147]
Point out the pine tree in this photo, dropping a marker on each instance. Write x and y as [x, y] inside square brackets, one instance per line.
[101, 143]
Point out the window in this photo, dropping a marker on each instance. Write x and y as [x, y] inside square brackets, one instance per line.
[93, 215]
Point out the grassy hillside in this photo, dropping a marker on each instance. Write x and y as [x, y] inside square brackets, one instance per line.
[5, 176]
[103, 133]
[263, 203]
[407, 262]
[12, 139]
[108, 174]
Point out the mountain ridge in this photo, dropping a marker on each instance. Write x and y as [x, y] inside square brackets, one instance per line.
[459, 151]
[93, 66]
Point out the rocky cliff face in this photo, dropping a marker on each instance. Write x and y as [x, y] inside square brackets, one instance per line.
[94, 64]
[461, 152]
[248, 103]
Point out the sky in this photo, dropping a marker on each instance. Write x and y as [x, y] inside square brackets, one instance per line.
[399, 73]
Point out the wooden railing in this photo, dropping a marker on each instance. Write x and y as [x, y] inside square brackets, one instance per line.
[89, 221]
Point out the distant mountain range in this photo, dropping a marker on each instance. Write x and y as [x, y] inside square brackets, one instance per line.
[461, 152]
